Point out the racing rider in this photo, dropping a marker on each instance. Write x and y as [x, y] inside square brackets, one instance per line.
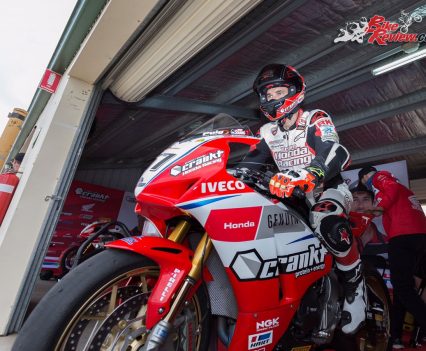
[305, 147]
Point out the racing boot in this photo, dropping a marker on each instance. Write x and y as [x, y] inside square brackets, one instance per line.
[354, 307]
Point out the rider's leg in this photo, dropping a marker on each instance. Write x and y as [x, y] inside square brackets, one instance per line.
[329, 219]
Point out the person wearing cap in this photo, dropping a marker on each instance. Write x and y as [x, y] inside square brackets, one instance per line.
[405, 224]
[16, 162]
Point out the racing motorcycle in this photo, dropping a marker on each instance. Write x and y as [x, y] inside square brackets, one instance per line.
[224, 266]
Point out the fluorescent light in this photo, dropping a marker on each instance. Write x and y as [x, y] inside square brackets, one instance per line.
[417, 55]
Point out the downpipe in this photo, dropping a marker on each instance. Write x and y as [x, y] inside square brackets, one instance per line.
[161, 331]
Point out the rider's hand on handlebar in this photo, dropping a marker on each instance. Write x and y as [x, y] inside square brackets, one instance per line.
[283, 184]
[253, 177]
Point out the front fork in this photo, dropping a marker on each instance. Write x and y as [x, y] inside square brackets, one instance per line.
[159, 333]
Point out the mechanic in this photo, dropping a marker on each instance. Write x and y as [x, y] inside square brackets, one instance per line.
[305, 147]
[405, 224]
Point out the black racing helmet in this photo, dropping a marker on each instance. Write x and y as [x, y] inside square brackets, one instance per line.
[277, 75]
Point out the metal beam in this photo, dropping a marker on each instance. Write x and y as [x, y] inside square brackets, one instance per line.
[314, 51]
[234, 44]
[358, 157]
[170, 103]
[314, 81]
[405, 103]
[299, 58]
[338, 85]
[387, 151]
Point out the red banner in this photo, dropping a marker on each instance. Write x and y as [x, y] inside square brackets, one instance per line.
[85, 204]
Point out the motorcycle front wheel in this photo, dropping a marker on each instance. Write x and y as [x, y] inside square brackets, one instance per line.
[101, 305]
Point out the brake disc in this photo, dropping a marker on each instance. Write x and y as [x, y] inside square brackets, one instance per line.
[133, 299]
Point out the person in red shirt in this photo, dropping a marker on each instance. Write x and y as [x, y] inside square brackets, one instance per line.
[405, 224]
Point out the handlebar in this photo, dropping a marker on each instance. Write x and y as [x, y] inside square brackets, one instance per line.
[261, 181]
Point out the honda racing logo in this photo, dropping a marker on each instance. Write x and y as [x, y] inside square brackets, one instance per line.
[291, 157]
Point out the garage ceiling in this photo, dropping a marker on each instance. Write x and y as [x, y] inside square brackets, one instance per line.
[380, 119]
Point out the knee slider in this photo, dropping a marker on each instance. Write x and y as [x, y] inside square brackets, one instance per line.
[336, 234]
[324, 209]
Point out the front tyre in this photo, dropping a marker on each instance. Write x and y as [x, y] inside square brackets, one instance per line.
[101, 305]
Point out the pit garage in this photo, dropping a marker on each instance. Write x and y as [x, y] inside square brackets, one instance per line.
[137, 75]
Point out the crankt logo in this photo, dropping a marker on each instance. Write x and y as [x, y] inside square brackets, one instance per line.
[92, 195]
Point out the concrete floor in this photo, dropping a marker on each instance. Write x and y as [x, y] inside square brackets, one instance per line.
[41, 288]
[6, 342]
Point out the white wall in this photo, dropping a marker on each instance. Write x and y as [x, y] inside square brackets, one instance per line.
[42, 168]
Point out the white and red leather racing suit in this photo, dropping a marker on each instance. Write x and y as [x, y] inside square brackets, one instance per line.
[312, 143]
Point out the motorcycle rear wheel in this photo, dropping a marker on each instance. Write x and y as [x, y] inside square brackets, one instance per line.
[101, 305]
[376, 332]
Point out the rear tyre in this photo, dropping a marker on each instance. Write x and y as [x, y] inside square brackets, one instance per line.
[375, 334]
[101, 305]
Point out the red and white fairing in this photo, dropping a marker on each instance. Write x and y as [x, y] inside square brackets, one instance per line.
[270, 255]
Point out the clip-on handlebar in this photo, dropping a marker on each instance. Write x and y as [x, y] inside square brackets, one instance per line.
[261, 181]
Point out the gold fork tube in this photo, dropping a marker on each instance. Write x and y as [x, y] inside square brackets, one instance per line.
[180, 231]
[201, 254]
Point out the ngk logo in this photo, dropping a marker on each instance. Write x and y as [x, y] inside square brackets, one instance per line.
[231, 225]
[268, 324]
[212, 187]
